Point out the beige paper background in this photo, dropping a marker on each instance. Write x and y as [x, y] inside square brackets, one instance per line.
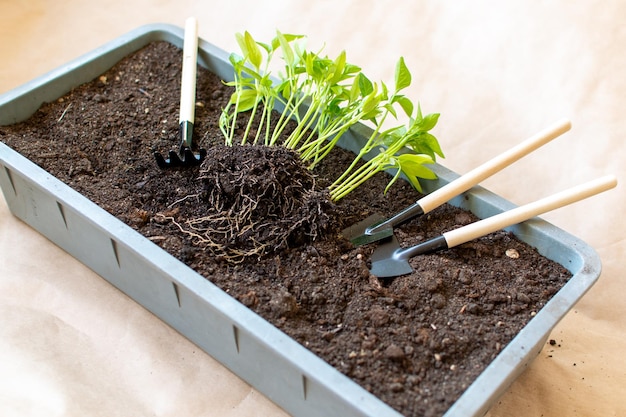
[72, 345]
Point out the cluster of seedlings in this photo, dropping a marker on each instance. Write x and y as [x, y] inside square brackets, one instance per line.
[267, 197]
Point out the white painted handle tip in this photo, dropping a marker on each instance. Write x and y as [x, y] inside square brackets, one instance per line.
[188, 82]
[191, 24]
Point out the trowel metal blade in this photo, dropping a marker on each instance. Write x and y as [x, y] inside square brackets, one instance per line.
[358, 233]
[387, 262]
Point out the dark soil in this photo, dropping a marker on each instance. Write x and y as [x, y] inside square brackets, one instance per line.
[417, 341]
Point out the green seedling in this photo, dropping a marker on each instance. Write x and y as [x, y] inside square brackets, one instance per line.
[325, 97]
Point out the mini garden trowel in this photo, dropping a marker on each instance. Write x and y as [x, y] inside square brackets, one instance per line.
[187, 154]
[376, 228]
[390, 260]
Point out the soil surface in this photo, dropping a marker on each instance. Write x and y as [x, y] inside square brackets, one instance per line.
[417, 341]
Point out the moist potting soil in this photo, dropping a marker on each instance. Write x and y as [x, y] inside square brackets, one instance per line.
[416, 341]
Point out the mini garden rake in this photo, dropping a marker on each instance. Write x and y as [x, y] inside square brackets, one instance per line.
[187, 155]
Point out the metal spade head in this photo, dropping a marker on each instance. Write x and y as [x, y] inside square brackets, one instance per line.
[376, 227]
[387, 260]
[390, 260]
[366, 231]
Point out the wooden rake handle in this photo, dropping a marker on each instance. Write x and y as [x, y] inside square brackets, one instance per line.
[188, 80]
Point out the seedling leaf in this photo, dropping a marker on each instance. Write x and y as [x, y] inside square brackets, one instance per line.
[403, 76]
[254, 53]
[365, 85]
[288, 55]
[406, 104]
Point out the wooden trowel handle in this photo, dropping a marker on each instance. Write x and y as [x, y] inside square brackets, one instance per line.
[188, 80]
[520, 214]
[478, 174]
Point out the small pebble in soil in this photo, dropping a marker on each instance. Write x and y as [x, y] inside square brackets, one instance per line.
[512, 253]
[396, 387]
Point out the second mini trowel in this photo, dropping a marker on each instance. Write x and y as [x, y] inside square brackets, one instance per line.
[390, 260]
[377, 227]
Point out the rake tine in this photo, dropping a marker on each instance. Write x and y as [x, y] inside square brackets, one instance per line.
[189, 158]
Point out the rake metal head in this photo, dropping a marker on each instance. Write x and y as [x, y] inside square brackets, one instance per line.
[185, 158]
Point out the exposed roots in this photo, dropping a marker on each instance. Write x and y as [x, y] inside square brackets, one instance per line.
[259, 200]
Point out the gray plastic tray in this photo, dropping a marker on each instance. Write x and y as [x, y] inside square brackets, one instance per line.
[287, 373]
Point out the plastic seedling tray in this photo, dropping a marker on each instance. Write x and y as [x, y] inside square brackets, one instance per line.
[286, 372]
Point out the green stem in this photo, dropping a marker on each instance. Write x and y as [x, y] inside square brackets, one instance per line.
[341, 192]
[290, 110]
[320, 148]
[261, 122]
[303, 125]
[364, 150]
[234, 121]
[250, 121]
